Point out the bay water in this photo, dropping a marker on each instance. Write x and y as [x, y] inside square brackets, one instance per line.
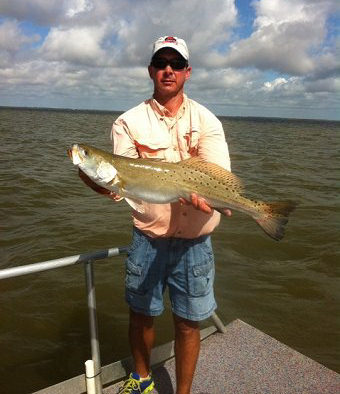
[288, 289]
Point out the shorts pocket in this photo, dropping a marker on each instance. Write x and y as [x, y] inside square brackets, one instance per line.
[137, 240]
[201, 278]
[134, 278]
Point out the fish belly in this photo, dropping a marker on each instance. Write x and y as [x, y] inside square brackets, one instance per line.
[149, 195]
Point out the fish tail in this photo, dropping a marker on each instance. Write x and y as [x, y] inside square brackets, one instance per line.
[275, 217]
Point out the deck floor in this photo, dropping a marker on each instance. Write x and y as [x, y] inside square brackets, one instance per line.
[244, 360]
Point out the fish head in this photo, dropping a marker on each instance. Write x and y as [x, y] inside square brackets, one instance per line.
[93, 162]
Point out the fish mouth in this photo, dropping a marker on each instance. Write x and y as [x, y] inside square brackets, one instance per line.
[73, 154]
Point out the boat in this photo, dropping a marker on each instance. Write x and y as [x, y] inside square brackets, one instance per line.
[234, 359]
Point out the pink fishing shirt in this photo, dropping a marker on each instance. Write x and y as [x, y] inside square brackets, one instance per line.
[146, 131]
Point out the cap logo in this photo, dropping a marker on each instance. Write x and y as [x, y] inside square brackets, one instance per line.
[170, 39]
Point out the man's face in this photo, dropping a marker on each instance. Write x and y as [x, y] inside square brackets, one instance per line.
[168, 81]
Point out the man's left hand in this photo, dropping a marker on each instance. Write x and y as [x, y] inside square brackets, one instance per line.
[201, 204]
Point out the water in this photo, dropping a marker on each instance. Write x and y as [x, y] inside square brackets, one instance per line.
[287, 289]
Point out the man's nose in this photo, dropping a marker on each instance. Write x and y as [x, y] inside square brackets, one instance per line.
[168, 69]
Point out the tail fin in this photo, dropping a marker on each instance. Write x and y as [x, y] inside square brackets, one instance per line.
[275, 217]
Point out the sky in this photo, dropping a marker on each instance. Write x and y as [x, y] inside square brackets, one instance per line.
[272, 58]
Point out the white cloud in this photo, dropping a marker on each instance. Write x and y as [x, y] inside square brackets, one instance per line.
[96, 51]
[202, 24]
[80, 45]
[12, 38]
[40, 11]
[78, 6]
[277, 83]
[287, 34]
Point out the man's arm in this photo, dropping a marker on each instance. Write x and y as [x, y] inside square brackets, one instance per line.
[213, 148]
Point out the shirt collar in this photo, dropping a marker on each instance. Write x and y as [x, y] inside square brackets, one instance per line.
[163, 112]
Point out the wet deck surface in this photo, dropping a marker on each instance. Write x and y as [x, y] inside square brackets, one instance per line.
[244, 360]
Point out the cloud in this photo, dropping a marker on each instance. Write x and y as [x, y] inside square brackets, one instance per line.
[12, 38]
[38, 11]
[287, 35]
[94, 53]
[81, 45]
[202, 24]
[77, 7]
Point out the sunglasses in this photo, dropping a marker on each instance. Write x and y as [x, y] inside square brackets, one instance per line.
[175, 64]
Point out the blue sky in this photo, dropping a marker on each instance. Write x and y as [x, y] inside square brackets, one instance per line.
[250, 58]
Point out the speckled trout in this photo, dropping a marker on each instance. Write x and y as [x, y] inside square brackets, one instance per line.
[160, 182]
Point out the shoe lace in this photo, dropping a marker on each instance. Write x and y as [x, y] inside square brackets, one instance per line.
[129, 385]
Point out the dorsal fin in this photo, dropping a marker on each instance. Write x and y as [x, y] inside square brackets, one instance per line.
[213, 170]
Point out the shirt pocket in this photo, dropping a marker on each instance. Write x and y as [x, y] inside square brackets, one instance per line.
[191, 139]
[149, 149]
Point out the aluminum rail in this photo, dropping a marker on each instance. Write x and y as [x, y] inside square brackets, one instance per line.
[87, 259]
[62, 262]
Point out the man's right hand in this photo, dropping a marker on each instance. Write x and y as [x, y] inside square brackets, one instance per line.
[99, 189]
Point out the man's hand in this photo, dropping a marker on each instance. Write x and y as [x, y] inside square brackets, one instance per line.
[201, 204]
[99, 189]
[197, 202]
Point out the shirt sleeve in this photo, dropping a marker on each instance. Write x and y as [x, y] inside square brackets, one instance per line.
[212, 144]
[122, 141]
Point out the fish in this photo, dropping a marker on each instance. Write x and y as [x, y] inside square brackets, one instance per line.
[159, 182]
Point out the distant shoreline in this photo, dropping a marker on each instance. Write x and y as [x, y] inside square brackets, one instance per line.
[117, 112]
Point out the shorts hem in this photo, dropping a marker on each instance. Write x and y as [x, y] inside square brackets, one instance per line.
[145, 312]
[192, 317]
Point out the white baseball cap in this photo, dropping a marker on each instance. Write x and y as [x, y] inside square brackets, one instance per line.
[175, 43]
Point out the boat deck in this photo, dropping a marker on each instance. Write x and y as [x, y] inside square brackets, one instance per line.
[244, 360]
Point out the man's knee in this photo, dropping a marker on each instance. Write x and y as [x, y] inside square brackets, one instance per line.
[185, 326]
[138, 320]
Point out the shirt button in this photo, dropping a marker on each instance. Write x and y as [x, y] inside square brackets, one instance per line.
[175, 149]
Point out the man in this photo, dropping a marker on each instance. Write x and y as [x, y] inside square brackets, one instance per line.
[171, 244]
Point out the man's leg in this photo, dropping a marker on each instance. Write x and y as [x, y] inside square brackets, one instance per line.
[141, 336]
[187, 346]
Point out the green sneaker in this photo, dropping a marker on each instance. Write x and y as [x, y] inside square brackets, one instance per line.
[133, 385]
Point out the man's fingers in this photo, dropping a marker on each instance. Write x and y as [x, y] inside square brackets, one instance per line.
[225, 211]
[199, 203]
[203, 206]
[195, 200]
[115, 197]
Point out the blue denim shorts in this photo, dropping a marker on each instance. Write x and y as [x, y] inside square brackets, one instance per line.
[185, 266]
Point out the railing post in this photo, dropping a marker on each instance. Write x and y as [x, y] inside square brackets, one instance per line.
[91, 303]
[218, 323]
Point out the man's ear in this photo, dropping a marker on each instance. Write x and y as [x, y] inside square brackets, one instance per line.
[188, 73]
[150, 71]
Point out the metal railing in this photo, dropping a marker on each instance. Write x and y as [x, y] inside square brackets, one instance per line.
[93, 373]
[93, 366]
